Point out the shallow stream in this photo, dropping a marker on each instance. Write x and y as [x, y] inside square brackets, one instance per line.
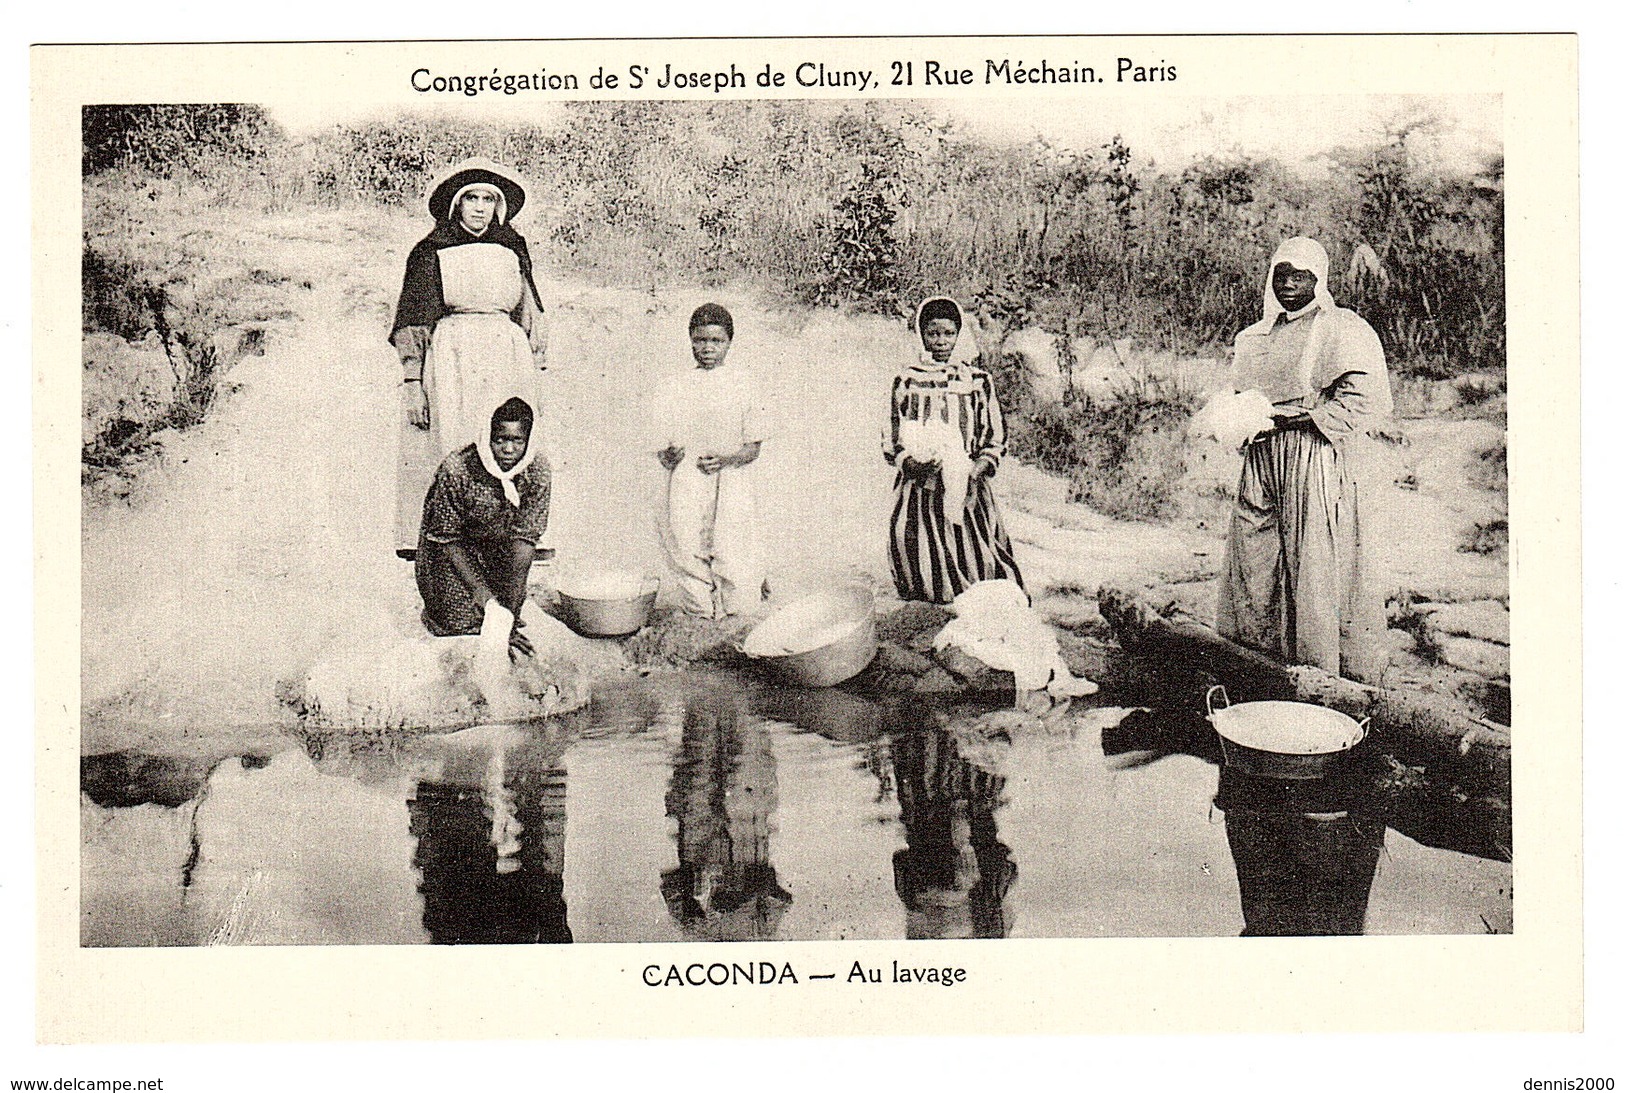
[703, 807]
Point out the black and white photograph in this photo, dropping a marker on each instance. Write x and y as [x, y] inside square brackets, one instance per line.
[872, 493]
[760, 521]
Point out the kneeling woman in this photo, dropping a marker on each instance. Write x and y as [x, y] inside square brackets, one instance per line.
[482, 518]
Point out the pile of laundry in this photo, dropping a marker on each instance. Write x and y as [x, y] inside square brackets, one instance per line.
[995, 623]
[937, 441]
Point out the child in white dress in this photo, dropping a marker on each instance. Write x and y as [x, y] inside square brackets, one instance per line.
[711, 426]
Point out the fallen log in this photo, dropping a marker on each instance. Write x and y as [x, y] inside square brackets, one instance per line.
[1416, 729]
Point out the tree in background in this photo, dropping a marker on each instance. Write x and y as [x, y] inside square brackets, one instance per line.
[869, 205]
[861, 254]
[1431, 275]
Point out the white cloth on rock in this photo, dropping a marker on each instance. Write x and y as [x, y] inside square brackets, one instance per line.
[491, 670]
[994, 623]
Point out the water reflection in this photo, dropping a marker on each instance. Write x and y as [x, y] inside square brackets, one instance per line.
[1142, 737]
[1305, 852]
[885, 818]
[124, 779]
[724, 789]
[954, 874]
[489, 826]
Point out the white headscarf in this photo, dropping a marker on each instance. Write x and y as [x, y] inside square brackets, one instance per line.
[482, 445]
[1306, 254]
[964, 351]
[501, 212]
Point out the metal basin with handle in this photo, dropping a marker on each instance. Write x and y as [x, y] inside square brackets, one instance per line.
[1282, 739]
[609, 617]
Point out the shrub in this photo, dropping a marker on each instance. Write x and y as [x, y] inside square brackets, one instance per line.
[166, 313]
[1485, 537]
[1123, 455]
[873, 204]
[868, 206]
[1491, 471]
[1434, 285]
[113, 297]
[165, 139]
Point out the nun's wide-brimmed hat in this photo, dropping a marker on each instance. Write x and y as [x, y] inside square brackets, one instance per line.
[471, 172]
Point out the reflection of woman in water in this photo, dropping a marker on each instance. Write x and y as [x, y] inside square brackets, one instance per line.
[724, 789]
[954, 874]
[490, 842]
[1305, 857]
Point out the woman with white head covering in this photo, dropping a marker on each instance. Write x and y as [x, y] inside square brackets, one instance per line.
[946, 440]
[484, 514]
[469, 325]
[1297, 578]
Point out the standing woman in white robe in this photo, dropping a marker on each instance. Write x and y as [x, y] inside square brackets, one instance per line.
[469, 327]
[1298, 582]
[711, 418]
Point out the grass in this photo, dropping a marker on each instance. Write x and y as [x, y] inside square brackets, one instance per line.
[1403, 615]
[1491, 471]
[172, 298]
[872, 205]
[858, 207]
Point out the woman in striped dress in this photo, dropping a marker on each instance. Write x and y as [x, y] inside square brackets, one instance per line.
[946, 440]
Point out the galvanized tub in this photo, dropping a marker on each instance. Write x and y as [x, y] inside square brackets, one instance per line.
[819, 640]
[1281, 739]
[608, 618]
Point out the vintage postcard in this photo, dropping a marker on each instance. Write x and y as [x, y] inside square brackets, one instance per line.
[797, 537]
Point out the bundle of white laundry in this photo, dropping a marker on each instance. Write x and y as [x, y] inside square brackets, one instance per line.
[994, 623]
[491, 670]
[1233, 419]
[938, 441]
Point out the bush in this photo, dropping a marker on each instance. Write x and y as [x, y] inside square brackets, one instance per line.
[1485, 537]
[199, 335]
[170, 303]
[113, 297]
[1432, 278]
[1491, 471]
[1123, 455]
[874, 205]
[870, 206]
[165, 140]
